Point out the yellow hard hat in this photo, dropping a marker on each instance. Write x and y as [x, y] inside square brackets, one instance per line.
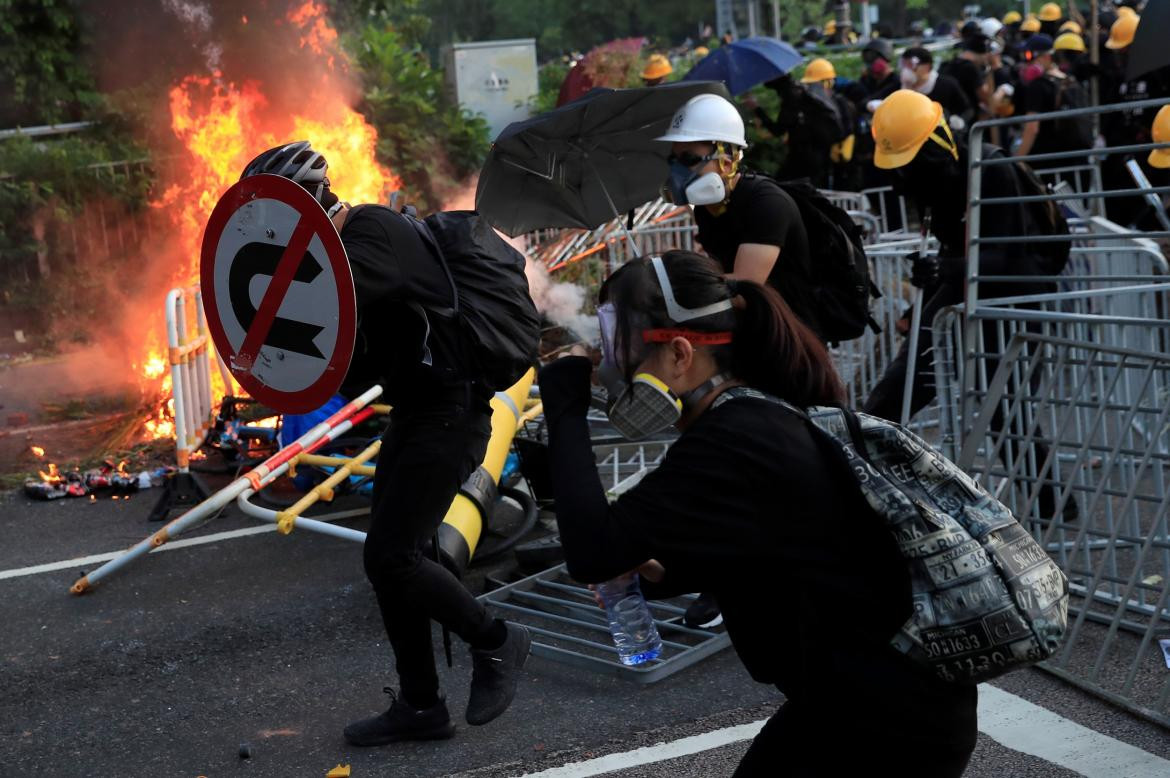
[1050, 12]
[1071, 26]
[831, 27]
[902, 123]
[657, 66]
[1069, 41]
[1121, 33]
[1031, 24]
[1160, 158]
[1011, 17]
[1125, 10]
[701, 51]
[819, 69]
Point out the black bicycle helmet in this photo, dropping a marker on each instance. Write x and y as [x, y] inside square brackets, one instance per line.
[297, 162]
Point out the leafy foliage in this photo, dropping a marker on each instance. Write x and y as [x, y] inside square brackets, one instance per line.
[46, 80]
[424, 137]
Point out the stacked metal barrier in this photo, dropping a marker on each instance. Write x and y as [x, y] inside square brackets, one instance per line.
[1059, 403]
[1102, 413]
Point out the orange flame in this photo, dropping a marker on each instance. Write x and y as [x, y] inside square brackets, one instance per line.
[223, 124]
[38, 452]
[319, 37]
[52, 476]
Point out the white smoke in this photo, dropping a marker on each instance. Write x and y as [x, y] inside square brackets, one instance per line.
[197, 17]
[561, 302]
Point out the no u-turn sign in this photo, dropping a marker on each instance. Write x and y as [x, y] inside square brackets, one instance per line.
[278, 293]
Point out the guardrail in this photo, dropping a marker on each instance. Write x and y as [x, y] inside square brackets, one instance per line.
[1091, 421]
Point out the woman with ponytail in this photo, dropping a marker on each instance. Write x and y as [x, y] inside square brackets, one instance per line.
[750, 505]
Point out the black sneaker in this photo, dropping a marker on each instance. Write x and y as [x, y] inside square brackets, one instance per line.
[703, 613]
[402, 722]
[494, 675]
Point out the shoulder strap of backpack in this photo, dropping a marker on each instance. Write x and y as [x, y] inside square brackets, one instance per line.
[428, 237]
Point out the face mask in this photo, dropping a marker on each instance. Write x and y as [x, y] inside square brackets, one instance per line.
[688, 187]
[879, 67]
[648, 406]
[1031, 73]
[909, 77]
[645, 407]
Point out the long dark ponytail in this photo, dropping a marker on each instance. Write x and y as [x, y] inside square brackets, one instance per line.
[771, 349]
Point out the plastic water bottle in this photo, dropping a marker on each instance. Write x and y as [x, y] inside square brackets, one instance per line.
[630, 620]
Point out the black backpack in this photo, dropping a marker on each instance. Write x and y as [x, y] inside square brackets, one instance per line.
[841, 286]
[491, 293]
[1048, 219]
[1072, 133]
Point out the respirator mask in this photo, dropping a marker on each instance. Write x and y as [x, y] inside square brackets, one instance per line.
[684, 186]
[645, 405]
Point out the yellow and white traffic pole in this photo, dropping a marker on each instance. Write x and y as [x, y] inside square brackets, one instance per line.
[460, 532]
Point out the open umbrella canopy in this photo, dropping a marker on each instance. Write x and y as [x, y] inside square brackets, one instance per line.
[745, 63]
[1149, 50]
[584, 163]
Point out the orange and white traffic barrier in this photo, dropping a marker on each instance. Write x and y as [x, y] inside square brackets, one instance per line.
[349, 416]
[189, 353]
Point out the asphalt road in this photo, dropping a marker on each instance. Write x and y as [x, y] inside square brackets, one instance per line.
[276, 642]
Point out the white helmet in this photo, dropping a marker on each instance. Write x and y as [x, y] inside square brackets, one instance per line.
[990, 26]
[707, 118]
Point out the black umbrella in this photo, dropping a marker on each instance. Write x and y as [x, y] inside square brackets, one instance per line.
[1149, 50]
[584, 163]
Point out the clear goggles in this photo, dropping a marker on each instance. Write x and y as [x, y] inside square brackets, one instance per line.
[607, 321]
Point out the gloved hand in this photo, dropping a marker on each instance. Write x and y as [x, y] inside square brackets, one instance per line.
[564, 386]
[924, 271]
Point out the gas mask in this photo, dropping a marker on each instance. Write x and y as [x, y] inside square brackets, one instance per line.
[684, 186]
[645, 405]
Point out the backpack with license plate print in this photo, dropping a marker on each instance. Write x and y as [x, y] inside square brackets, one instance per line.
[987, 598]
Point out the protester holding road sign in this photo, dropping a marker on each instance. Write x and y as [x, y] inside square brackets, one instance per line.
[441, 351]
[750, 505]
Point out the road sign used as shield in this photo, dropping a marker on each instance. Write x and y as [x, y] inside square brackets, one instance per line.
[278, 293]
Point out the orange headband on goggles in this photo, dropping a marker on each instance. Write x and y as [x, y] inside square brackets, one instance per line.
[695, 337]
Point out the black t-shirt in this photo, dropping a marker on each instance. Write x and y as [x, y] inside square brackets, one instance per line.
[392, 269]
[761, 212]
[749, 506]
[969, 77]
[950, 96]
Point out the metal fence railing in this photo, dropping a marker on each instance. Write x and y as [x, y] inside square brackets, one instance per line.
[1090, 422]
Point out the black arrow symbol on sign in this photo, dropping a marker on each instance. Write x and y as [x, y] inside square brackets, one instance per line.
[261, 259]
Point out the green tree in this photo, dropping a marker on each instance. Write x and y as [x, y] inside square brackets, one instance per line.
[424, 137]
[45, 79]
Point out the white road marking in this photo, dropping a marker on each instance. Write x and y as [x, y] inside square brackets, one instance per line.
[1023, 726]
[1006, 718]
[94, 559]
[694, 744]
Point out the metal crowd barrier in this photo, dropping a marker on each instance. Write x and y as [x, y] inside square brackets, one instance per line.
[1091, 422]
[1058, 402]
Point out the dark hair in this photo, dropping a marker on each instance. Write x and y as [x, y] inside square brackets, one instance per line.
[919, 53]
[771, 349]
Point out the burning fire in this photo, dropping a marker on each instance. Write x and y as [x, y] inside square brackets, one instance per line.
[222, 124]
[37, 451]
[51, 476]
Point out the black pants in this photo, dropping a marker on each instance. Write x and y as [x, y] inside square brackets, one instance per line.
[428, 451]
[798, 743]
[885, 401]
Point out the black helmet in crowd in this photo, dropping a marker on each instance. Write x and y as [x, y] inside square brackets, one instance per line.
[297, 162]
[881, 47]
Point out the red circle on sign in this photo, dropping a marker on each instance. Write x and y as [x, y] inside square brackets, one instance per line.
[314, 219]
